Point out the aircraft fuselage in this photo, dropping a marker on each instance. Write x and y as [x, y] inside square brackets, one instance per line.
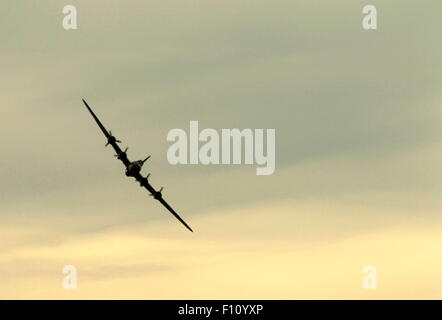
[134, 168]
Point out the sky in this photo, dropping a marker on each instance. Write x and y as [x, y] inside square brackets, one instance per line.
[358, 176]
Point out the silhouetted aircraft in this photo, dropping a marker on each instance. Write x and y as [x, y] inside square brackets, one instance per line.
[133, 168]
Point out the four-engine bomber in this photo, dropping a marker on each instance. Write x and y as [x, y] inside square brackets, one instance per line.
[133, 168]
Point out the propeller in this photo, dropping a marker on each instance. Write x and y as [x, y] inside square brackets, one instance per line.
[125, 150]
[116, 140]
[157, 193]
[111, 138]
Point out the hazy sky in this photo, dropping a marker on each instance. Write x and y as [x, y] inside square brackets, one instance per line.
[358, 123]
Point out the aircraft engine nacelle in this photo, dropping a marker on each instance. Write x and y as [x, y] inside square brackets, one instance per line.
[111, 139]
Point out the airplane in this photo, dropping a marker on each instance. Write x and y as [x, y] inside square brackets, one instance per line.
[133, 168]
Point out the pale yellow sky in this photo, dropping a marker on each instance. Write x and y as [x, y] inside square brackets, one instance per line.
[359, 156]
[141, 263]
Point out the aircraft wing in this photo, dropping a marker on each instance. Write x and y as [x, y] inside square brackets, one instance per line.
[97, 120]
[107, 134]
[166, 205]
[144, 182]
